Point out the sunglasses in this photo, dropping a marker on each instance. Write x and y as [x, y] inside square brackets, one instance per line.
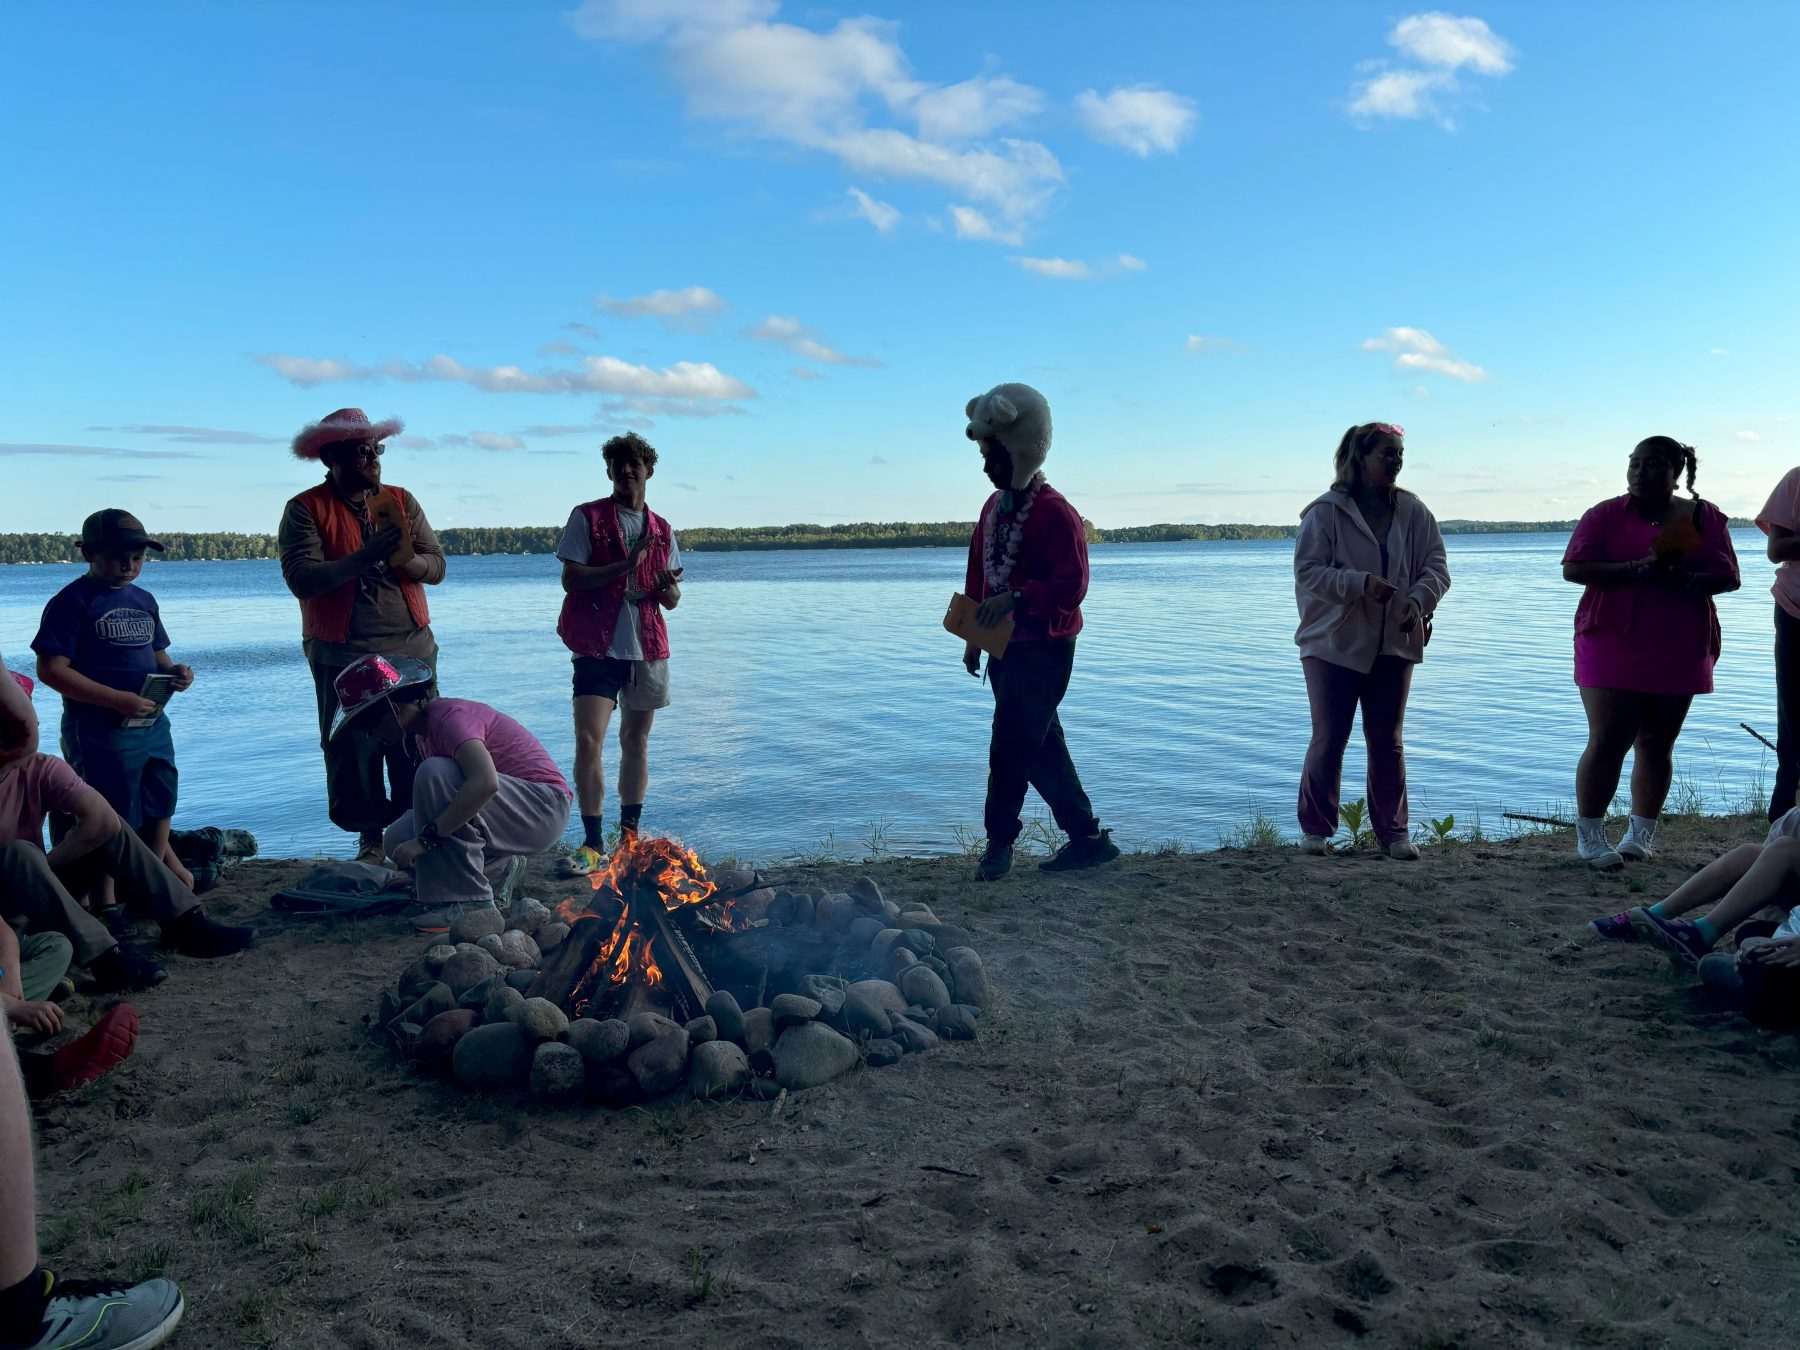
[368, 451]
[1398, 433]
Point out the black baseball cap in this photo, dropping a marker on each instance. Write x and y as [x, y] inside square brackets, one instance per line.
[113, 530]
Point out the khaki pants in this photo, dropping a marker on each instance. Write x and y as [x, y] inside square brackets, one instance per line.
[45, 900]
[521, 818]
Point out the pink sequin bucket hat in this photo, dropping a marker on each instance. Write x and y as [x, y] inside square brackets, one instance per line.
[346, 424]
[370, 680]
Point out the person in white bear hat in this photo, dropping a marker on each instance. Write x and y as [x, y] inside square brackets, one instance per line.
[1028, 558]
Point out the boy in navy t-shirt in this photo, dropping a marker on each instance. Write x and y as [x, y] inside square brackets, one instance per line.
[100, 636]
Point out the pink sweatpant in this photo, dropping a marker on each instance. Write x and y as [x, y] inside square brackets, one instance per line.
[1334, 693]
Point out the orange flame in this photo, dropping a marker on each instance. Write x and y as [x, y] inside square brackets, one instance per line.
[627, 955]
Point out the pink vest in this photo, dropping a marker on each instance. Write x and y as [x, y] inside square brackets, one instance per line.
[590, 618]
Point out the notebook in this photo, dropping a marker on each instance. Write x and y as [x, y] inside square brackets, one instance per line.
[960, 620]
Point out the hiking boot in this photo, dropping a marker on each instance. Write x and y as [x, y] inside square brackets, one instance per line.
[101, 1049]
[1679, 938]
[1615, 927]
[104, 1315]
[1096, 850]
[1639, 841]
[369, 850]
[1403, 850]
[193, 934]
[995, 862]
[1318, 845]
[120, 970]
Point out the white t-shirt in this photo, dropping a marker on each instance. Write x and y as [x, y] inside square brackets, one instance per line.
[1788, 827]
[577, 546]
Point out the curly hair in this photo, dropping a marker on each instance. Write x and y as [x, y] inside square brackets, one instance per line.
[629, 446]
[1683, 455]
[1357, 442]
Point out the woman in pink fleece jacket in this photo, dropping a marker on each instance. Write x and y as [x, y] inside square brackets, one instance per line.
[1369, 570]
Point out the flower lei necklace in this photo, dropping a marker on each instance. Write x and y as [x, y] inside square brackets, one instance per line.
[1000, 547]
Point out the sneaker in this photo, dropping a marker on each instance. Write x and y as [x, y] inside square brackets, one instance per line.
[1597, 853]
[1615, 927]
[193, 934]
[1078, 854]
[1403, 850]
[104, 1315]
[995, 863]
[101, 1049]
[586, 859]
[434, 920]
[1679, 938]
[1316, 844]
[120, 970]
[1639, 841]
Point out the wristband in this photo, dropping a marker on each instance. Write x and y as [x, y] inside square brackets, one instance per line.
[429, 836]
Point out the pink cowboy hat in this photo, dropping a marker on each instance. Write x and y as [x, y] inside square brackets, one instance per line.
[346, 424]
[23, 681]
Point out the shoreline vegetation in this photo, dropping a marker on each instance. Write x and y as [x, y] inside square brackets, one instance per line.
[473, 541]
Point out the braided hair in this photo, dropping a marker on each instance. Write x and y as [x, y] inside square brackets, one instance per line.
[1683, 455]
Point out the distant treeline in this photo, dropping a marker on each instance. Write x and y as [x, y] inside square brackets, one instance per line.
[466, 541]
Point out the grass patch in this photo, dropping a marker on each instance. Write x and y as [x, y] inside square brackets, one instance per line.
[1258, 834]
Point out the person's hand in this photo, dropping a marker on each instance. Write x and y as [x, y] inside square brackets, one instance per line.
[130, 705]
[1782, 953]
[184, 678]
[972, 659]
[1415, 614]
[44, 1018]
[640, 547]
[993, 609]
[669, 576]
[407, 854]
[1379, 589]
[380, 546]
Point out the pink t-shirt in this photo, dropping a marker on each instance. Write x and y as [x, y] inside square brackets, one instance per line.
[1782, 511]
[40, 785]
[449, 722]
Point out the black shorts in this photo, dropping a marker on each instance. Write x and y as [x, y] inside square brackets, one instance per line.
[601, 676]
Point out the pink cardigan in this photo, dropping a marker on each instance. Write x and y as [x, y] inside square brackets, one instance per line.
[1051, 572]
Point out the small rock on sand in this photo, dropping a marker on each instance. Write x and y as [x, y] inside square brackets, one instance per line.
[968, 980]
[835, 912]
[517, 951]
[435, 956]
[476, 995]
[723, 1008]
[916, 940]
[804, 907]
[915, 1039]
[477, 922]
[501, 1000]
[601, 1041]
[867, 893]
[917, 912]
[558, 1072]
[660, 1065]
[808, 1055]
[718, 1069]
[492, 1057]
[521, 979]
[878, 1054]
[790, 1010]
[540, 1019]
[863, 930]
[881, 946]
[759, 1039]
[863, 1016]
[648, 1026]
[435, 1000]
[899, 961]
[467, 969]
[702, 1030]
[528, 915]
[439, 1038]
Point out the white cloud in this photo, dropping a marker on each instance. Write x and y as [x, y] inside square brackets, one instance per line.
[1747, 437]
[804, 342]
[1720, 351]
[807, 373]
[876, 459]
[481, 440]
[1197, 345]
[592, 375]
[1140, 117]
[543, 431]
[879, 214]
[840, 92]
[560, 347]
[666, 407]
[1442, 40]
[972, 224]
[90, 451]
[1074, 269]
[1438, 45]
[587, 330]
[684, 309]
[196, 435]
[1417, 350]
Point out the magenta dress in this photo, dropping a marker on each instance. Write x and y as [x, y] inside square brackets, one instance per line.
[1641, 636]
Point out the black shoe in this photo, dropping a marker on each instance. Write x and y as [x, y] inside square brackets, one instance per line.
[995, 863]
[193, 934]
[1094, 851]
[120, 970]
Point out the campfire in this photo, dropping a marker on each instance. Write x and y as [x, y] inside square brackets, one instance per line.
[657, 975]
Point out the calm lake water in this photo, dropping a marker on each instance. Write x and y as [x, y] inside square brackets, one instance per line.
[817, 697]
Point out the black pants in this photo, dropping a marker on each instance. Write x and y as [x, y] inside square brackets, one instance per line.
[1787, 703]
[1027, 747]
[358, 799]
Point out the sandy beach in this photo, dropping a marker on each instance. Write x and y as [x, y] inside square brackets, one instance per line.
[1234, 1098]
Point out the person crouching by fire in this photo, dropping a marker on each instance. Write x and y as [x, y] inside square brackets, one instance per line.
[1028, 559]
[483, 786]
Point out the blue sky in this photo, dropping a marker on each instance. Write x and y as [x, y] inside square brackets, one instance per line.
[788, 242]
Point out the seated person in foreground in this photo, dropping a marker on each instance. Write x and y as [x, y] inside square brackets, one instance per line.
[39, 888]
[31, 970]
[1765, 971]
[484, 789]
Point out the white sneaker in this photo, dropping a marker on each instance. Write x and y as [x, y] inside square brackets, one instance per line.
[1591, 846]
[1316, 844]
[1403, 850]
[1639, 841]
